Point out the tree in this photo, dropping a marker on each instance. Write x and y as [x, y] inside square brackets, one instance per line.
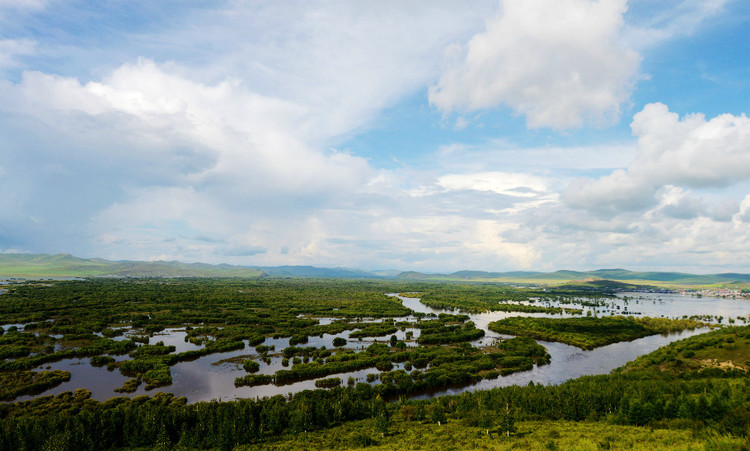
[436, 413]
[507, 421]
[382, 416]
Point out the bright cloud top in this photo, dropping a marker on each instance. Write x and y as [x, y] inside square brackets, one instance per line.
[522, 185]
[690, 152]
[559, 63]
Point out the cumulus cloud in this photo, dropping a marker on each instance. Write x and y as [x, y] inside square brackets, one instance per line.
[679, 205]
[744, 213]
[559, 63]
[634, 240]
[725, 210]
[143, 128]
[226, 130]
[691, 152]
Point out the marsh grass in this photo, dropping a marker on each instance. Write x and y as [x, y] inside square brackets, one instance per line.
[531, 435]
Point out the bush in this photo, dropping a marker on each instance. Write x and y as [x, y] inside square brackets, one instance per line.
[251, 366]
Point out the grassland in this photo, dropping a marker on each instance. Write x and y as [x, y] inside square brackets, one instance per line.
[529, 435]
[590, 332]
[66, 266]
[723, 351]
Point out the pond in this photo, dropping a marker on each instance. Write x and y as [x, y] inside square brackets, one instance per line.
[212, 376]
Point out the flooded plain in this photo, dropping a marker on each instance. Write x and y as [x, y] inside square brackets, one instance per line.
[212, 376]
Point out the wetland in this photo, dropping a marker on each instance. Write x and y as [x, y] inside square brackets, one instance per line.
[180, 342]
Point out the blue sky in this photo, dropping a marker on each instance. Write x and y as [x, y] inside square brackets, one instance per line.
[426, 136]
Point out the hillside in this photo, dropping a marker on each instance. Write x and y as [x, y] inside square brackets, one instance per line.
[66, 265]
[613, 277]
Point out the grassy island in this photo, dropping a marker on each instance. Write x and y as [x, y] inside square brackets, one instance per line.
[590, 332]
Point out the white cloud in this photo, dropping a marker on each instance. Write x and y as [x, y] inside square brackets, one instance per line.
[142, 129]
[558, 62]
[12, 48]
[690, 152]
[23, 4]
[650, 240]
[744, 213]
[676, 203]
[248, 131]
[487, 238]
[725, 210]
[518, 184]
[345, 61]
[669, 19]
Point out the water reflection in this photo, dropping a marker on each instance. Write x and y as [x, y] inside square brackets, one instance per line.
[569, 362]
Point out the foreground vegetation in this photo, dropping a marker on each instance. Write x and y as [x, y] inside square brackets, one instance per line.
[530, 435]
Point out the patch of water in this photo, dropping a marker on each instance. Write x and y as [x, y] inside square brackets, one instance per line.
[569, 362]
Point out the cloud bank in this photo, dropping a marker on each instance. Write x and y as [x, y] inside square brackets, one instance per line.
[225, 134]
[690, 152]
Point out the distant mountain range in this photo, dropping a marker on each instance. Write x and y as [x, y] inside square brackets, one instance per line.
[562, 276]
[66, 265]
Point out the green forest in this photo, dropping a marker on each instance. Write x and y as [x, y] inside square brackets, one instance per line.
[690, 394]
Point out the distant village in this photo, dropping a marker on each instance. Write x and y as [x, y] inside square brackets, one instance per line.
[718, 292]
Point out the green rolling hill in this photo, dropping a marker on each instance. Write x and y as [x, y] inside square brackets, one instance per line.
[596, 277]
[66, 265]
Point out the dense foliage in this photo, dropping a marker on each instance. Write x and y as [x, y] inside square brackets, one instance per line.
[478, 298]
